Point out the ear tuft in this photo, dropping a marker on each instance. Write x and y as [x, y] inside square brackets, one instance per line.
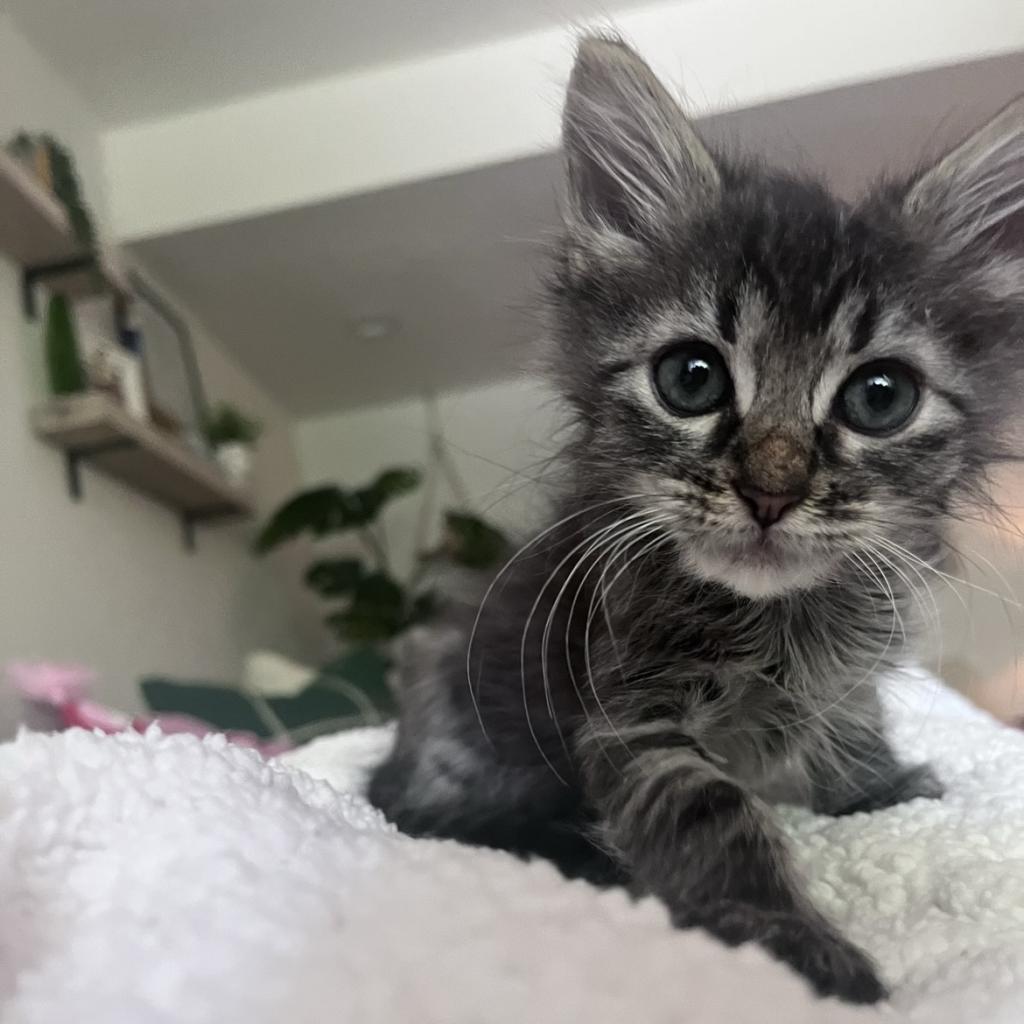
[975, 194]
[632, 158]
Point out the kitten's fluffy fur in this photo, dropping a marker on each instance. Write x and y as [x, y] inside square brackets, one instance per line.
[655, 669]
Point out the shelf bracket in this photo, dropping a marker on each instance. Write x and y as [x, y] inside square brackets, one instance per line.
[73, 458]
[33, 275]
[189, 521]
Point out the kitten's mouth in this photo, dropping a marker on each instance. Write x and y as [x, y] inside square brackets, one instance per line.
[761, 564]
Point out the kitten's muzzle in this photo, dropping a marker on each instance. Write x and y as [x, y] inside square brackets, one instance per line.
[774, 477]
[766, 508]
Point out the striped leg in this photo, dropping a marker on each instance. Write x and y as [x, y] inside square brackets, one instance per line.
[691, 836]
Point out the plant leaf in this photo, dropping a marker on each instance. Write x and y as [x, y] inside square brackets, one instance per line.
[391, 484]
[318, 511]
[471, 542]
[335, 577]
[366, 668]
[377, 611]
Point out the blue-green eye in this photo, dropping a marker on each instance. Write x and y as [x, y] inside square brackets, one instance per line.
[691, 379]
[879, 398]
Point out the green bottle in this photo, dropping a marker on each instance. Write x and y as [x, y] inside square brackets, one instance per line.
[63, 365]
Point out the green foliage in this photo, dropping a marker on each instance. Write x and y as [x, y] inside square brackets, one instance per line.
[332, 509]
[364, 667]
[375, 607]
[63, 365]
[65, 182]
[226, 424]
[351, 689]
[470, 542]
[335, 577]
[222, 706]
[376, 611]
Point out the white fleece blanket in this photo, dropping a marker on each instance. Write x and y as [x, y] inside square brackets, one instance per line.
[163, 879]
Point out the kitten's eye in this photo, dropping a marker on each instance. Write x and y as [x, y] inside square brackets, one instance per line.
[692, 379]
[879, 398]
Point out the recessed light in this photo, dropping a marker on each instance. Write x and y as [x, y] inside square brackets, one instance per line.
[375, 328]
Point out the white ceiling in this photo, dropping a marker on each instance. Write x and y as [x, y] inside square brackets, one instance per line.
[143, 59]
[455, 260]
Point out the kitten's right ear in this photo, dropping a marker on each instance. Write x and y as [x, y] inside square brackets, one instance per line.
[633, 160]
[975, 194]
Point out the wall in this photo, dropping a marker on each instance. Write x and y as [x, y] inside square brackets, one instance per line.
[107, 582]
[500, 436]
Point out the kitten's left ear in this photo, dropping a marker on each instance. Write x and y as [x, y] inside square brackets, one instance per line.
[975, 194]
[634, 162]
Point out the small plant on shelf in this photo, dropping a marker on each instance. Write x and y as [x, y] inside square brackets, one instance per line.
[232, 434]
[63, 361]
[53, 164]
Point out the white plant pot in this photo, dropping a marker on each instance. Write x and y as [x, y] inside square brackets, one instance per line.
[235, 460]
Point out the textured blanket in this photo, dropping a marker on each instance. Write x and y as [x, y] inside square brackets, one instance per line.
[151, 879]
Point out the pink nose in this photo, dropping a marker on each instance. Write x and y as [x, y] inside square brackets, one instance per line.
[764, 507]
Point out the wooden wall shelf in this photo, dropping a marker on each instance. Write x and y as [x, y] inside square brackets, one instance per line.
[35, 231]
[94, 428]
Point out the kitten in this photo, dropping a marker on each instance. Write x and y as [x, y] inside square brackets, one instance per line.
[780, 399]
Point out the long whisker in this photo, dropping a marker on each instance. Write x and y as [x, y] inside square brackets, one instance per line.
[474, 699]
[549, 623]
[911, 557]
[568, 653]
[600, 539]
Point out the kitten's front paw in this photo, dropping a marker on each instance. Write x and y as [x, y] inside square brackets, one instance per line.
[833, 965]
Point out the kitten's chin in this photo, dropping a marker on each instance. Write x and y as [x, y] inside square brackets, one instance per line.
[757, 570]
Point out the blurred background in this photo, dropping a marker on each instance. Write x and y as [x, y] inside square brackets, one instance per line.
[267, 279]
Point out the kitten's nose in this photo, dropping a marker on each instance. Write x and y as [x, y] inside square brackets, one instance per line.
[764, 507]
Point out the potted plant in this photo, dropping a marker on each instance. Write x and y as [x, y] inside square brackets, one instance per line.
[232, 435]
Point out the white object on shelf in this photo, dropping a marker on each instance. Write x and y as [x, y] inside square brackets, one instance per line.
[235, 461]
[133, 386]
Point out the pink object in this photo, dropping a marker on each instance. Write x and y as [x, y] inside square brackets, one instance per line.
[63, 687]
[87, 714]
[50, 682]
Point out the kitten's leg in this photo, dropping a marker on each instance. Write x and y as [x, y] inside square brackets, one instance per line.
[448, 788]
[858, 771]
[694, 838]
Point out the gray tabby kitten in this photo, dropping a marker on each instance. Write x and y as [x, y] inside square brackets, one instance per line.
[780, 399]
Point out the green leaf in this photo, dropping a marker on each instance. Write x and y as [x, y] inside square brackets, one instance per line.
[332, 509]
[335, 577]
[222, 706]
[226, 423]
[377, 611]
[391, 484]
[366, 668]
[316, 703]
[471, 542]
[319, 511]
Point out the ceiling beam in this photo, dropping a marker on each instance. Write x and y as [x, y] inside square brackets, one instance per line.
[358, 133]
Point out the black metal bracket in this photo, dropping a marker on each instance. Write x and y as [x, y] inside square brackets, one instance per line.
[189, 521]
[73, 458]
[34, 275]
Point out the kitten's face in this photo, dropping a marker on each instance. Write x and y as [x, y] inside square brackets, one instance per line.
[789, 382]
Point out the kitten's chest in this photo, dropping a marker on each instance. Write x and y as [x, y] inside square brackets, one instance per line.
[759, 691]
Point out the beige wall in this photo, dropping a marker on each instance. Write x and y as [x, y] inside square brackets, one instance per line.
[108, 582]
